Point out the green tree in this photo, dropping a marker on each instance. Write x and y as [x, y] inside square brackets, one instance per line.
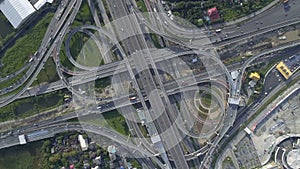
[54, 159]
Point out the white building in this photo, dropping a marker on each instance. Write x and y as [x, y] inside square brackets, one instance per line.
[234, 74]
[16, 11]
[234, 100]
[247, 130]
[41, 3]
[83, 143]
[22, 139]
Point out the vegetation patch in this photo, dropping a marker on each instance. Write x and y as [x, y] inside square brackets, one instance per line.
[19, 54]
[141, 5]
[116, 121]
[12, 81]
[90, 55]
[229, 10]
[6, 30]
[21, 157]
[64, 59]
[206, 99]
[64, 150]
[102, 83]
[84, 15]
[155, 40]
[48, 74]
[29, 106]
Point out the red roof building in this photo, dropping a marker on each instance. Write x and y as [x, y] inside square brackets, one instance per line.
[213, 13]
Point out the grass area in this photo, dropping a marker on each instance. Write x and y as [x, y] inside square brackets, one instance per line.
[206, 99]
[83, 50]
[270, 65]
[141, 5]
[21, 157]
[112, 119]
[231, 14]
[237, 11]
[102, 83]
[143, 130]
[232, 60]
[84, 15]
[135, 163]
[64, 59]
[48, 74]
[16, 56]
[155, 40]
[227, 162]
[29, 106]
[90, 55]
[76, 44]
[117, 122]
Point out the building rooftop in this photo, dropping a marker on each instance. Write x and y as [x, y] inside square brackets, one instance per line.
[247, 130]
[16, 11]
[252, 83]
[41, 3]
[234, 100]
[22, 139]
[155, 139]
[112, 149]
[284, 70]
[83, 143]
[234, 74]
[293, 159]
[255, 76]
[213, 13]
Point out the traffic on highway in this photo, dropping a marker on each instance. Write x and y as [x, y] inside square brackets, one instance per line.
[150, 84]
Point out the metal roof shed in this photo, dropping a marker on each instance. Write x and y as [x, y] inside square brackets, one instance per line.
[16, 11]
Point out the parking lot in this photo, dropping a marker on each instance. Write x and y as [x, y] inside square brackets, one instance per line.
[272, 80]
[245, 153]
[293, 62]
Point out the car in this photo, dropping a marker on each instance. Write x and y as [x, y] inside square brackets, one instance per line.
[31, 59]
[218, 30]
[132, 98]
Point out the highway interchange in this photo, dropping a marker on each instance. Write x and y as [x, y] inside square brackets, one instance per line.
[170, 151]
